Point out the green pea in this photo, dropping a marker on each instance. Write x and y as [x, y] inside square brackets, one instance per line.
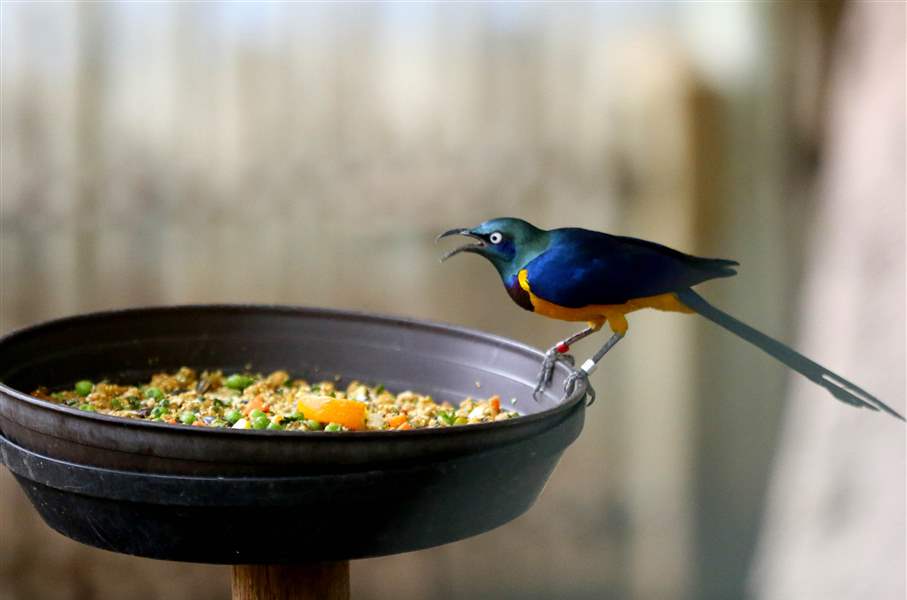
[84, 387]
[257, 413]
[232, 416]
[460, 421]
[187, 417]
[115, 404]
[156, 412]
[260, 422]
[134, 403]
[447, 417]
[312, 424]
[86, 407]
[153, 392]
[238, 382]
[275, 426]
[333, 427]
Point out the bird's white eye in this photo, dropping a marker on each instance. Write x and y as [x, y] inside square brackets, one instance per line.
[496, 237]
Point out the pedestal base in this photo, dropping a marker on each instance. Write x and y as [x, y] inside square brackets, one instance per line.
[322, 581]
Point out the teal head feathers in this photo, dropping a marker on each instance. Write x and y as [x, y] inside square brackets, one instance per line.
[507, 243]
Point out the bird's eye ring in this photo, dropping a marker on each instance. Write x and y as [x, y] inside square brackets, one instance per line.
[496, 237]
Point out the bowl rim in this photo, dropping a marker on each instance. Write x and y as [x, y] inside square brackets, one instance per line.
[563, 405]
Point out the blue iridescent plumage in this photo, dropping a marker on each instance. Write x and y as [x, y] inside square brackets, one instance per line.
[582, 267]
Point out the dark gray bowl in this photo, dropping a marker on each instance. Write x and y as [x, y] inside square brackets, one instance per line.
[246, 496]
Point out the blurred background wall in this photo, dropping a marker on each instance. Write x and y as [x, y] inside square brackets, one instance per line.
[309, 153]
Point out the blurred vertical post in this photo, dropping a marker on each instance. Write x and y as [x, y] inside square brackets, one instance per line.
[835, 523]
[746, 212]
[654, 150]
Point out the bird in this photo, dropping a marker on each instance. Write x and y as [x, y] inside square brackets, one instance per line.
[575, 274]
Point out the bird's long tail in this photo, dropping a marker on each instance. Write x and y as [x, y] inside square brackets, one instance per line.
[840, 388]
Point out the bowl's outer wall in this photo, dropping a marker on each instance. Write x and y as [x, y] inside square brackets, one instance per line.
[273, 520]
[185, 493]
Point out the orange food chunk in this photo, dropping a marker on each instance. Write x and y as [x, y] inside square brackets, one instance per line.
[255, 403]
[405, 426]
[495, 402]
[349, 413]
[396, 421]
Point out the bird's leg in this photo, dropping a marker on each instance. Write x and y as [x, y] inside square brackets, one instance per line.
[589, 366]
[618, 323]
[559, 350]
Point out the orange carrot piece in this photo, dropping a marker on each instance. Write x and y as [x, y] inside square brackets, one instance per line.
[349, 413]
[255, 403]
[495, 402]
[404, 427]
[397, 420]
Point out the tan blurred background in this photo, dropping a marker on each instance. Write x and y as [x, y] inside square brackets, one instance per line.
[308, 153]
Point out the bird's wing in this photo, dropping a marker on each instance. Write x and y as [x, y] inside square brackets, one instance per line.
[582, 267]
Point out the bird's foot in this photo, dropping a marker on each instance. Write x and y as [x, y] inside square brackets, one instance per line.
[573, 379]
[545, 373]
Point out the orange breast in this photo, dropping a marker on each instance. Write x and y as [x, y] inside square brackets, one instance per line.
[597, 314]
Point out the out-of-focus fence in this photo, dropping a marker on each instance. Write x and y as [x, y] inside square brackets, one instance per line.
[308, 153]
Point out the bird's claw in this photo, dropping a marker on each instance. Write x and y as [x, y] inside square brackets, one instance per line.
[571, 381]
[547, 369]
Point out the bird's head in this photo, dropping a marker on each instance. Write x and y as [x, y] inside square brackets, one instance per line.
[507, 243]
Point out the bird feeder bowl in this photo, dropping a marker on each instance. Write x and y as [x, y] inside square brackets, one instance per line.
[200, 494]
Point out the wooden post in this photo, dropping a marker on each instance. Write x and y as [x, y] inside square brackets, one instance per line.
[324, 581]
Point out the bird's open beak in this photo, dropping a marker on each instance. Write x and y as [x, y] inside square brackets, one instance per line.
[467, 248]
